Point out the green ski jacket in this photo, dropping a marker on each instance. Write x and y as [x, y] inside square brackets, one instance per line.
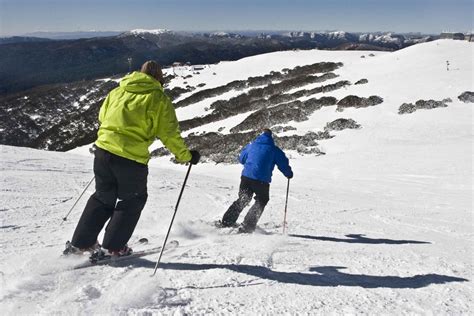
[136, 113]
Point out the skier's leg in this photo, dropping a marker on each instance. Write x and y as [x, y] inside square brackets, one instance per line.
[132, 195]
[100, 206]
[245, 195]
[261, 190]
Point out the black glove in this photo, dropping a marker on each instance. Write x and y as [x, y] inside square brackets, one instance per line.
[290, 176]
[195, 157]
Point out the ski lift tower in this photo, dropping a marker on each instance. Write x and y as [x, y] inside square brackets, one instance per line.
[129, 60]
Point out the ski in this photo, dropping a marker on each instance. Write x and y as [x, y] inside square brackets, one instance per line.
[110, 260]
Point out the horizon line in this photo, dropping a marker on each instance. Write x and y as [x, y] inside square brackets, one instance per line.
[23, 34]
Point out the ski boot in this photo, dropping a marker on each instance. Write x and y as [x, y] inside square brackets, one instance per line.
[220, 224]
[98, 255]
[73, 250]
[245, 229]
[103, 254]
[125, 251]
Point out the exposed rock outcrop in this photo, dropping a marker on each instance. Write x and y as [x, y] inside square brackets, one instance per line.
[406, 108]
[255, 100]
[292, 78]
[467, 97]
[225, 148]
[297, 111]
[341, 124]
[358, 102]
[362, 81]
[281, 129]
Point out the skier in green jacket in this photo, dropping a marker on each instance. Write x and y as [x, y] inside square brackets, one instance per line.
[132, 116]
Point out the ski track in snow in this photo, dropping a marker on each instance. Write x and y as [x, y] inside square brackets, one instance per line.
[382, 224]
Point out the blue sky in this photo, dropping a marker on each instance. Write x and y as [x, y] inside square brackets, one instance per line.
[428, 16]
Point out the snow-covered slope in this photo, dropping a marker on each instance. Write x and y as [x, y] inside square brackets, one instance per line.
[381, 224]
[406, 76]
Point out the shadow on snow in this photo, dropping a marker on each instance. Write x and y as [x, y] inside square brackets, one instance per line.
[330, 276]
[360, 239]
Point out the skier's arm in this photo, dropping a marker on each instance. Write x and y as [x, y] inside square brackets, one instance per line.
[243, 155]
[103, 109]
[167, 130]
[283, 163]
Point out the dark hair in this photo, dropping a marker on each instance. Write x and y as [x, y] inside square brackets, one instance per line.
[152, 68]
[267, 131]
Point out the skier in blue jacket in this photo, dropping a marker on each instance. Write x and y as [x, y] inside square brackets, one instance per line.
[259, 158]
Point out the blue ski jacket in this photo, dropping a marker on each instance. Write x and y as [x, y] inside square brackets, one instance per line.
[260, 157]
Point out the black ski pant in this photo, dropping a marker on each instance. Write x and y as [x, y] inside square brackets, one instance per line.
[248, 187]
[121, 194]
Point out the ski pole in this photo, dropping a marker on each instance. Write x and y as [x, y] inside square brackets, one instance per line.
[286, 205]
[172, 219]
[87, 186]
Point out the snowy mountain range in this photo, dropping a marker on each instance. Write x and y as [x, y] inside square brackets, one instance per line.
[387, 40]
[146, 31]
[381, 223]
[90, 58]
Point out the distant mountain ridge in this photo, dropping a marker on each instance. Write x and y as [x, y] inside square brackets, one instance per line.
[26, 64]
[73, 35]
[22, 39]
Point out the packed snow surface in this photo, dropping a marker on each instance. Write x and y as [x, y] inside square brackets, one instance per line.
[381, 224]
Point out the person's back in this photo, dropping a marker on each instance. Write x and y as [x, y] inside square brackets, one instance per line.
[134, 115]
[259, 159]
